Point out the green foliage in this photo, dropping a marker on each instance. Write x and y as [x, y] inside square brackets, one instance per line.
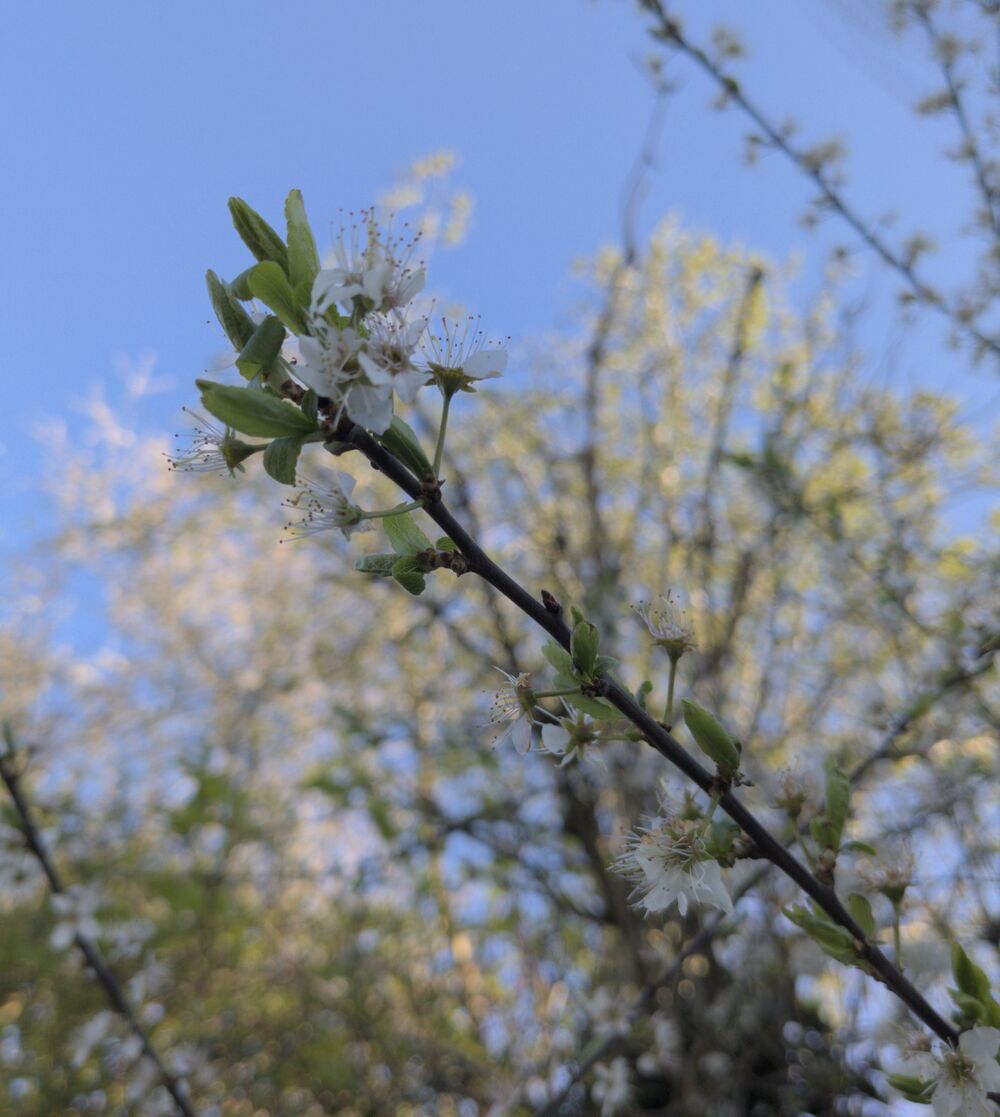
[262, 349]
[257, 235]
[712, 738]
[303, 259]
[254, 412]
[269, 283]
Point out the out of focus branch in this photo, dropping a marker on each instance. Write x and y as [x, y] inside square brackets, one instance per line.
[34, 842]
[668, 30]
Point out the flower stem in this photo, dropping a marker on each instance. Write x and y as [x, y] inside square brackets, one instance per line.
[896, 939]
[439, 448]
[556, 693]
[668, 710]
[397, 511]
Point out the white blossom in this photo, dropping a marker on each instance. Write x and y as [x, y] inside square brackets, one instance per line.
[210, 449]
[326, 506]
[962, 1078]
[667, 624]
[89, 1035]
[76, 909]
[665, 1054]
[462, 354]
[370, 266]
[512, 707]
[669, 863]
[612, 1087]
[328, 361]
[570, 739]
[387, 359]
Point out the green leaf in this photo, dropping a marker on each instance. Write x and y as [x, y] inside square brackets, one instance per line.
[281, 457]
[838, 800]
[402, 442]
[303, 259]
[596, 707]
[310, 406]
[913, 1089]
[376, 564]
[446, 544]
[257, 235]
[643, 693]
[560, 659]
[834, 940]
[859, 847]
[404, 535]
[604, 663]
[968, 976]
[233, 318]
[711, 737]
[252, 411]
[861, 913]
[240, 286]
[583, 645]
[262, 349]
[270, 284]
[407, 572]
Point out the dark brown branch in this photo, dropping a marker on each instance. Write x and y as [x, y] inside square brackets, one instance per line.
[654, 733]
[116, 995]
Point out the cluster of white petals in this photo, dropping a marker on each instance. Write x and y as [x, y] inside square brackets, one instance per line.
[612, 1087]
[571, 738]
[363, 348]
[667, 624]
[76, 909]
[668, 863]
[962, 1078]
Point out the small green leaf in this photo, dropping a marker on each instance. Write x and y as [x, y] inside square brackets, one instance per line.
[835, 940]
[913, 1089]
[310, 406]
[303, 259]
[859, 847]
[838, 800]
[643, 693]
[968, 976]
[583, 645]
[240, 286]
[402, 442]
[404, 535]
[257, 235]
[596, 707]
[604, 663]
[407, 572]
[560, 659]
[712, 737]
[446, 544]
[252, 411]
[861, 913]
[270, 284]
[262, 349]
[376, 564]
[233, 318]
[281, 457]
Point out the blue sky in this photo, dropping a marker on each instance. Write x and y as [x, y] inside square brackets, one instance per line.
[126, 127]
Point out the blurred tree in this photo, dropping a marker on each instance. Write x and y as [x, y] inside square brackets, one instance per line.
[322, 888]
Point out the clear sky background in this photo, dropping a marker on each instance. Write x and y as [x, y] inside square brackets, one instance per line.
[127, 125]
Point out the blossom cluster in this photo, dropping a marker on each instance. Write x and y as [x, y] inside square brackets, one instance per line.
[363, 343]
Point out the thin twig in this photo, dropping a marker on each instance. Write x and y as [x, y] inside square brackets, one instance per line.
[34, 842]
[669, 31]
